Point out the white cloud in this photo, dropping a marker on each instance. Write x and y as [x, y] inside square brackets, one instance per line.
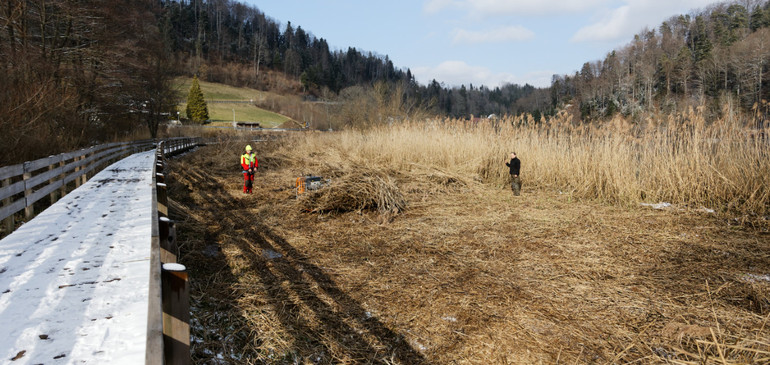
[622, 22]
[485, 8]
[515, 33]
[456, 73]
[613, 26]
[434, 6]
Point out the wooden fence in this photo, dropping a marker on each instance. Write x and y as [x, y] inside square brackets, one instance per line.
[25, 186]
[28, 183]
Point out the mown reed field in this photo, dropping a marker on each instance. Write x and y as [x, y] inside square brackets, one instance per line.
[679, 159]
[403, 258]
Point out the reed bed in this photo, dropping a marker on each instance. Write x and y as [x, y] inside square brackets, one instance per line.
[680, 159]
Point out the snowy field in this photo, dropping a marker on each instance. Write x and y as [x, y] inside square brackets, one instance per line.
[74, 280]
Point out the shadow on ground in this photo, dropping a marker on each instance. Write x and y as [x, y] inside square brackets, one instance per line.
[241, 270]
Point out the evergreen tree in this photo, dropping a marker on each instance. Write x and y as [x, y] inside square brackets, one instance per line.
[197, 110]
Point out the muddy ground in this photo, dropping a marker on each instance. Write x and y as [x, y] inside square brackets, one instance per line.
[466, 273]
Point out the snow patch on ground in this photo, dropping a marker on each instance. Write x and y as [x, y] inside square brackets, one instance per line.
[661, 205]
[754, 278]
[74, 280]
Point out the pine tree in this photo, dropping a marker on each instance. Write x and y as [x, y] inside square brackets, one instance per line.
[197, 110]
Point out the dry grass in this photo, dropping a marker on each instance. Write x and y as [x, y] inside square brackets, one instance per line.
[677, 159]
[465, 273]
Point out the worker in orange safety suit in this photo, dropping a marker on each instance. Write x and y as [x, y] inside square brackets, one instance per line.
[249, 163]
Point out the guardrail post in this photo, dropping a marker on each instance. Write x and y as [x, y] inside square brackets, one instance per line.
[176, 314]
[29, 209]
[168, 248]
[162, 199]
[9, 222]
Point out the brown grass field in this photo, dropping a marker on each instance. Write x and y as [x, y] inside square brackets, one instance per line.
[417, 252]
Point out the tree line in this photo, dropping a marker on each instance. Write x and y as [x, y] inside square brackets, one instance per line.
[231, 42]
[217, 32]
[710, 57]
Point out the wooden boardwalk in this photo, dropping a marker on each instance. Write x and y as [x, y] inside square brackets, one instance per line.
[74, 280]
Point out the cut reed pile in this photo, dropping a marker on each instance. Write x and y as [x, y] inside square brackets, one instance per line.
[357, 190]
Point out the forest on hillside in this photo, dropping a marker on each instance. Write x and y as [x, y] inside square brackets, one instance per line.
[78, 73]
[230, 42]
[713, 57]
[709, 57]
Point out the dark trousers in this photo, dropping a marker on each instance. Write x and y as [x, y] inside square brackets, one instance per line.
[516, 185]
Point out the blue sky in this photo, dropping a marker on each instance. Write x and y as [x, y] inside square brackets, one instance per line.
[487, 42]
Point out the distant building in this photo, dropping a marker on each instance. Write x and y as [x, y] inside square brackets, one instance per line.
[475, 119]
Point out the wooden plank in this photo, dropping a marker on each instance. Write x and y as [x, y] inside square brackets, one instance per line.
[80, 159]
[84, 177]
[82, 152]
[57, 168]
[75, 164]
[41, 178]
[37, 195]
[154, 350]
[71, 177]
[11, 171]
[12, 189]
[162, 199]
[77, 173]
[87, 160]
[78, 166]
[168, 247]
[71, 155]
[8, 210]
[41, 163]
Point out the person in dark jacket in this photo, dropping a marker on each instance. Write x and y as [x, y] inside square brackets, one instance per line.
[514, 167]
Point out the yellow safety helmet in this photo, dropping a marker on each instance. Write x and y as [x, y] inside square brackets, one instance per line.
[248, 147]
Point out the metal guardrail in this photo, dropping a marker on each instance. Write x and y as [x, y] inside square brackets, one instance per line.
[168, 319]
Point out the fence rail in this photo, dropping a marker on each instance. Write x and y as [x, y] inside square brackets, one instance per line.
[24, 185]
[168, 316]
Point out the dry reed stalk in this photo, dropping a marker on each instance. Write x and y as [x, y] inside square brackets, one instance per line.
[678, 159]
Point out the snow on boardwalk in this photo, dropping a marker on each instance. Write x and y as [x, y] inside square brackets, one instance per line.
[74, 281]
